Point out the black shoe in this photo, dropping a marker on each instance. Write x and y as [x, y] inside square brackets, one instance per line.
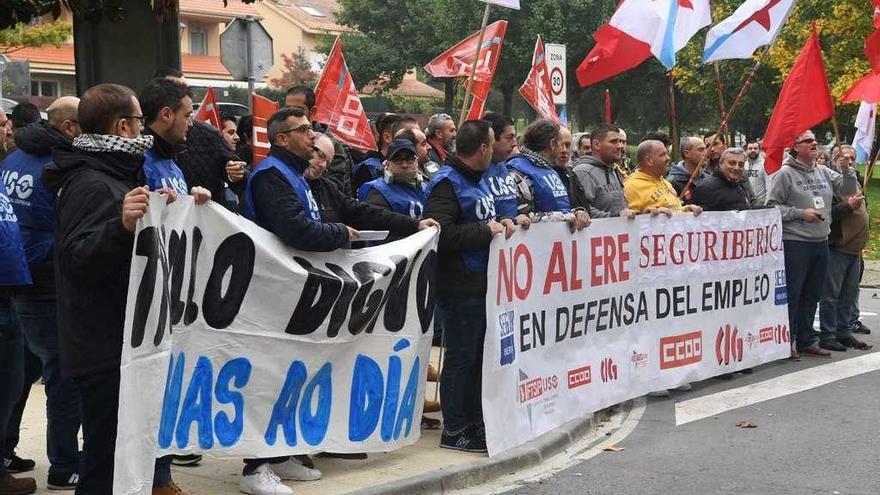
[832, 345]
[859, 327]
[186, 460]
[854, 343]
[338, 455]
[62, 482]
[465, 440]
[17, 486]
[16, 464]
[725, 376]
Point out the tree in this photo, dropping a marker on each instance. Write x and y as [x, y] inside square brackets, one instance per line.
[297, 70]
[30, 36]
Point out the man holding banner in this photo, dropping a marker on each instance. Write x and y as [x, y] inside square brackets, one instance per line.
[465, 208]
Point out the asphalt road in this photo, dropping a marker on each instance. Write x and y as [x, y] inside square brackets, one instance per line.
[823, 440]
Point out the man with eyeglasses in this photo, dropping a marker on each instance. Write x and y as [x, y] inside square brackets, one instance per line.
[167, 110]
[34, 306]
[401, 189]
[98, 201]
[804, 194]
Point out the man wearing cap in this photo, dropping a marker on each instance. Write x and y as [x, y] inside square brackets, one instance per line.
[401, 188]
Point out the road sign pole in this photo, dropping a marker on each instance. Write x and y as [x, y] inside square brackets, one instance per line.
[249, 25]
[2, 70]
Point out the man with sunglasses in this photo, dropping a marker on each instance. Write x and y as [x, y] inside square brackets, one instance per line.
[804, 194]
[34, 306]
[401, 189]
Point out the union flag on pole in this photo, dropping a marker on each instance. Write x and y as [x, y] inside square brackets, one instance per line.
[263, 109]
[458, 60]
[338, 104]
[207, 111]
[536, 88]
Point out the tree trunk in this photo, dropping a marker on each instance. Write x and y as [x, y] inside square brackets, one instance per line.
[449, 89]
[104, 53]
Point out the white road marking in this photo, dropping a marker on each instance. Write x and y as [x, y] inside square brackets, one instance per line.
[791, 383]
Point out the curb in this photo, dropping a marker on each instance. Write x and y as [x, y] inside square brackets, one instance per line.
[466, 475]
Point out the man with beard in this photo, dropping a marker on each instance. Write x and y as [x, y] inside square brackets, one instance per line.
[755, 173]
[601, 178]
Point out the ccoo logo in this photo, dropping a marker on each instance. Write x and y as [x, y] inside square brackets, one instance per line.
[608, 370]
[777, 334]
[681, 350]
[728, 345]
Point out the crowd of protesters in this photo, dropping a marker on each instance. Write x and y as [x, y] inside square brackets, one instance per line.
[77, 183]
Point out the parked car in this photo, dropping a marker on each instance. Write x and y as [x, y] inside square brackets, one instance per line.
[8, 105]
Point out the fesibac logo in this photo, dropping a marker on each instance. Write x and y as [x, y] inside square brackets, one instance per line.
[781, 292]
[505, 336]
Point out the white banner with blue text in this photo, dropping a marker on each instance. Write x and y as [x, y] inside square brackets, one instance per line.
[239, 346]
[579, 322]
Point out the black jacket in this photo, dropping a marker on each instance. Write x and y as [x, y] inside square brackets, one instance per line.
[203, 161]
[92, 255]
[279, 210]
[39, 139]
[577, 196]
[453, 280]
[716, 193]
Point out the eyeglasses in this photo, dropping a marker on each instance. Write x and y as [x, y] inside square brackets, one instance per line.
[805, 141]
[303, 129]
[139, 118]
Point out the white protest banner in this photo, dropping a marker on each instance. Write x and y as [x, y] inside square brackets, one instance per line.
[510, 4]
[578, 322]
[237, 345]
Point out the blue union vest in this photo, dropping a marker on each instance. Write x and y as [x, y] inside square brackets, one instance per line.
[503, 187]
[13, 263]
[477, 205]
[33, 204]
[550, 192]
[373, 164]
[403, 199]
[163, 172]
[297, 183]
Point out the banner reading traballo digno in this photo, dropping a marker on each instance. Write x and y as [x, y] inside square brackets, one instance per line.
[578, 322]
[240, 346]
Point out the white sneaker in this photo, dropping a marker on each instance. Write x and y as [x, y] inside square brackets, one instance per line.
[292, 469]
[659, 393]
[684, 388]
[263, 482]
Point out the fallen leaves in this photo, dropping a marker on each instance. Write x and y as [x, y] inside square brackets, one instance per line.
[746, 424]
[612, 448]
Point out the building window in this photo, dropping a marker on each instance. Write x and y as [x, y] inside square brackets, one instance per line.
[45, 88]
[198, 41]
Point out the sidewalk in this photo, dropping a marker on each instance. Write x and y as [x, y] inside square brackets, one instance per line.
[420, 468]
[871, 277]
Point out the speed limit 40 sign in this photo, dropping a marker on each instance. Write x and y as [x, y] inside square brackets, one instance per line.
[555, 55]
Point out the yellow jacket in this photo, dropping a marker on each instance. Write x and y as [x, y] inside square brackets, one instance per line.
[643, 191]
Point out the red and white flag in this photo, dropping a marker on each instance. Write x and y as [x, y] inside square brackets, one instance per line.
[207, 111]
[338, 104]
[458, 60]
[536, 88]
[263, 109]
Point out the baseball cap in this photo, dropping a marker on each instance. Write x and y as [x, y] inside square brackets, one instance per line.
[399, 145]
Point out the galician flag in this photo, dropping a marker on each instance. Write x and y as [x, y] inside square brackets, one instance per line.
[865, 125]
[754, 24]
[666, 25]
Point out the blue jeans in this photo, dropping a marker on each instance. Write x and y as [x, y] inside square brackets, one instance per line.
[805, 266]
[839, 307]
[461, 379]
[11, 366]
[37, 320]
[32, 368]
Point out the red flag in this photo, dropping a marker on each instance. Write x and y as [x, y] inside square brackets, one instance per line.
[872, 50]
[804, 102]
[338, 104]
[615, 52]
[263, 109]
[207, 111]
[536, 88]
[608, 106]
[457, 62]
[876, 14]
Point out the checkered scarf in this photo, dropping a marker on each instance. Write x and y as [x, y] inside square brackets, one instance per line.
[106, 143]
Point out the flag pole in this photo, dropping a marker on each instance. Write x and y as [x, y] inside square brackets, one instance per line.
[726, 120]
[673, 115]
[835, 127]
[869, 167]
[720, 87]
[470, 81]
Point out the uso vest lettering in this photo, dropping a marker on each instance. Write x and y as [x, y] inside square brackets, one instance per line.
[550, 191]
[403, 199]
[297, 183]
[163, 172]
[33, 204]
[477, 205]
[503, 187]
[13, 263]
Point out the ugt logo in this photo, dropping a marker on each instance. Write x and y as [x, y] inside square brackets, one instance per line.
[608, 370]
[728, 345]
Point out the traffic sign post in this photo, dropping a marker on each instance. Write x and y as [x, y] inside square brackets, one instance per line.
[555, 56]
[2, 70]
[246, 51]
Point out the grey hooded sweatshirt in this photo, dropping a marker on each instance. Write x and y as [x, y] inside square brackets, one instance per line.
[796, 187]
[603, 186]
